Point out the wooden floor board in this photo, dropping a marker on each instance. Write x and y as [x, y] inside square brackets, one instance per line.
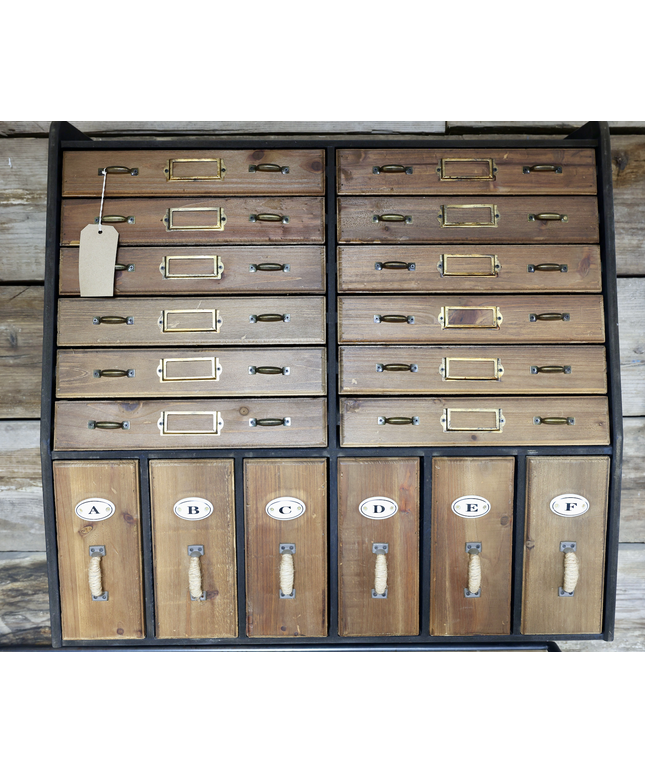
[24, 601]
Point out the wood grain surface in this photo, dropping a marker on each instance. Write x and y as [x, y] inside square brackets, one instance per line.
[361, 615]
[268, 615]
[176, 614]
[543, 611]
[121, 616]
[451, 612]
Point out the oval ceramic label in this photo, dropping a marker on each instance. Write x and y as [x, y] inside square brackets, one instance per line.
[569, 505]
[378, 507]
[471, 507]
[95, 509]
[285, 508]
[193, 508]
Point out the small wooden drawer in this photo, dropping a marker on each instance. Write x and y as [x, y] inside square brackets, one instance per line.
[497, 370]
[187, 270]
[285, 517]
[190, 424]
[160, 373]
[566, 513]
[193, 173]
[471, 319]
[460, 268]
[193, 540]
[98, 528]
[472, 528]
[378, 516]
[476, 220]
[496, 421]
[199, 221]
[464, 171]
[199, 321]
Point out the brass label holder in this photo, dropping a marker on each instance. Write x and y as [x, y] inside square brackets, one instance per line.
[213, 327]
[213, 376]
[449, 415]
[495, 362]
[458, 216]
[218, 423]
[171, 172]
[218, 225]
[166, 269]
[444, 317]
[444, 266]
[488, 175]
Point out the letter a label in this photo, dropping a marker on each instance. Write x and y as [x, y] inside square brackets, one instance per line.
[95, 509]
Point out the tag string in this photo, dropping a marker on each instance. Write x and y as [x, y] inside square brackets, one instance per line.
[104, 173]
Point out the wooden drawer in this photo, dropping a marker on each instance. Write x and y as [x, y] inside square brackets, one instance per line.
[462, 220]
[378, 515]
[199, 221]
[183, 270]
[278, 605]
[206, 321]
[498, 370]
[578, 483]
[193, 537]
[193, 173]
[190, 424]
[137, 373]
[472, 528]
[98, 522]
[497, 421]
[471, 319]
[460, 268]
[467, 171]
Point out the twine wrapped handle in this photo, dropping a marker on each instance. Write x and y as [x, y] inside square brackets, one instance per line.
[571, 571]
[380, 574]
[474, 571]
[94, 574]
[195, 573]
[287, 572]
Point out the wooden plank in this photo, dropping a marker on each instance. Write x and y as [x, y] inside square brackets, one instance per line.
[21, 327]
[628, 157]
[24, 599]
[632, 504]
[631, 314]
[542, 126]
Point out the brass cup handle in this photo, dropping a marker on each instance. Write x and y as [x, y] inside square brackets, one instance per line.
[398, 420]
[113, 320]
[549, 216]
[542, 168]
[396, 265]
[268, 217]
[256, 318]
[112, 372]
[389, 168]
[551, 369]
[553, 420]
[116, 170]
[270, 422]
[269, 168]
[268, 370]
[268, 266]
[108, 425]
[391, 217]
[549, 317]
[562, 267]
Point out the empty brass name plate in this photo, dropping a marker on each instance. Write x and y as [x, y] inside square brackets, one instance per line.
[467, 420]
[466, 169]
[471, 368]
[468, 266]
[195, 219]
[190, 320]
[194, 169]
[191, 267]
[470, 317]
[190, 423]
[189, 369]
[468, 216]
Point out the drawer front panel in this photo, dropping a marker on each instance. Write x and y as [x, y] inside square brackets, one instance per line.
[97, 509]
[460, 171]
[199, 221]
[183, 270]
[195, 589]
[496, 421]
[205, 321]
[460, 268]
[472, 527]
[471, 319]
[190, 424]
[286, 553]
[378, 596]
[492, 370]
[461, 220]
[193, 173]
[577, 483]
[136, 373]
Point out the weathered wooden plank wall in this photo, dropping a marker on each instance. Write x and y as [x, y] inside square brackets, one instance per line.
[24, 613]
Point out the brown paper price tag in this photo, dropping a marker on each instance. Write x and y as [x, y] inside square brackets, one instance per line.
[97, 259]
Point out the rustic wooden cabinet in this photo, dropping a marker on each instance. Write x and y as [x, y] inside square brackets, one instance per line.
[342, 393]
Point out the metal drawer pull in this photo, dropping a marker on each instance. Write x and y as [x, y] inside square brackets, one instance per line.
[287, 572]
[549, 216]
[92, 425]
[474, 588]
[554, 420]
[571, 569]
[269, 267]
[123, 267]
[95, 577]
[269, 370]
[268, 217]
[391, 217]
[113, 373]
[547, 267]
[395, 265]
[256, 318]
[116, 219]
[134, 171]
[271, 422]
[398, 420]
[388, 168]
[549, 316]
[380, 570]
[393, 318]
[413, 367]
[113, 320]
[542, 168]
[551, 369]
[197, 594]
[268, 168]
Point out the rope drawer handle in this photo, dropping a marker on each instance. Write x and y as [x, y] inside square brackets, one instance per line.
[571, 570]
[380, 570]
[94, 574]
[287, 572]
[474, 570]
[197, 593]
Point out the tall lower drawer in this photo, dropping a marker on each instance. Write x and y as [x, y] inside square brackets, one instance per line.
[193, 539]
[190, 424]
[496, 421]
[564, 545]
[285, 516]
[98, 528]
